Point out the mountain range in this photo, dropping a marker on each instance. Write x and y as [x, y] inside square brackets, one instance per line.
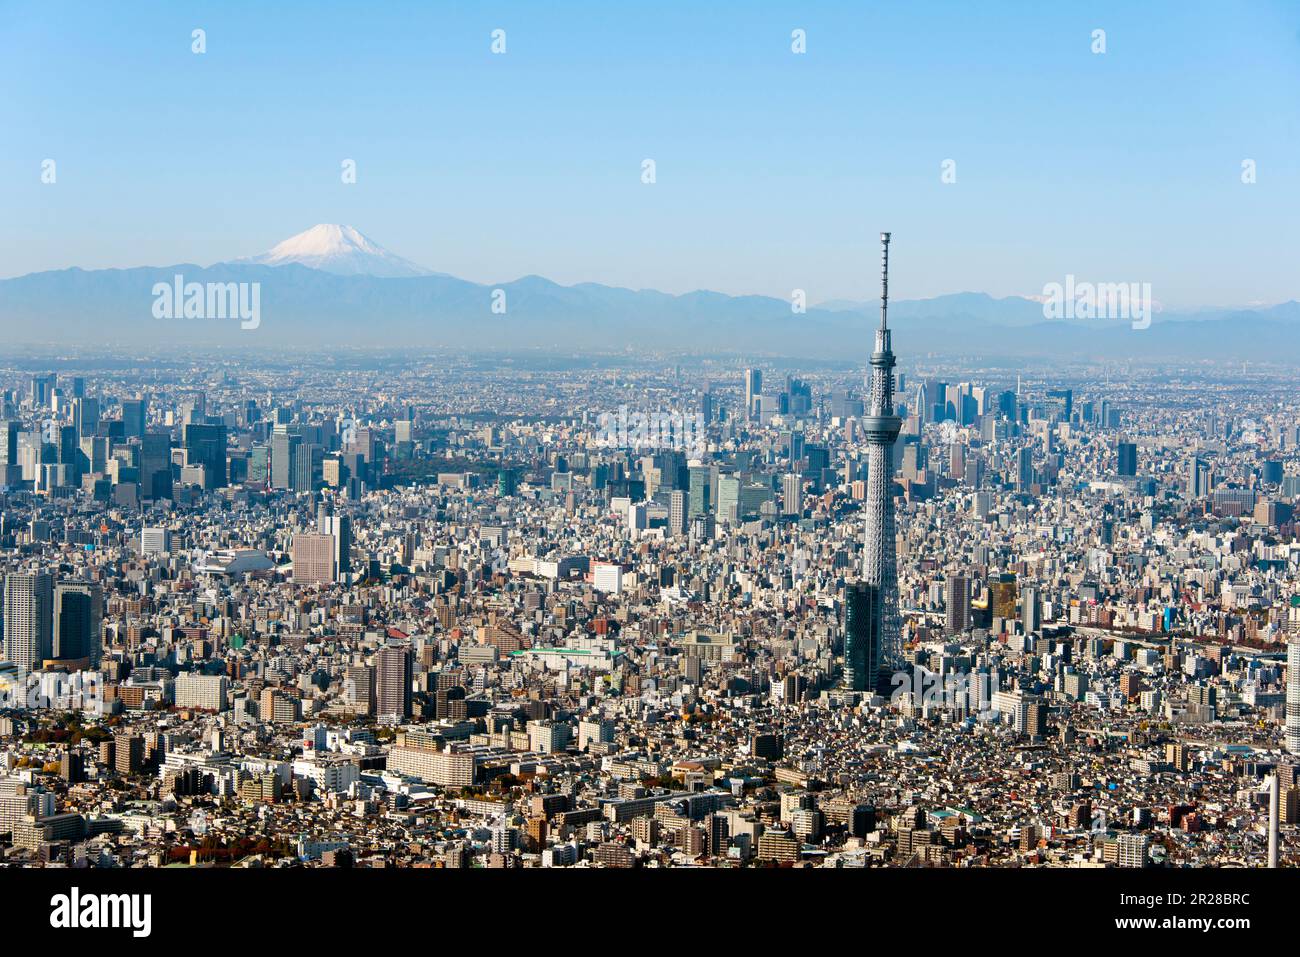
[333, 286]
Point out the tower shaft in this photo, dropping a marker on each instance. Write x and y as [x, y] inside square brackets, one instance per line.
[881, 427]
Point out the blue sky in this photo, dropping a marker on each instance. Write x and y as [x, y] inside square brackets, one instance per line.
[775, 171]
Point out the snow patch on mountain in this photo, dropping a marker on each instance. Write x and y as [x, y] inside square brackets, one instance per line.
[342, 250]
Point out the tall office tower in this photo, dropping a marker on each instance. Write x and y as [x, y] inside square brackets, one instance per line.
[339, 529]
[1127, 455]
[800, 394]
[671, 467]
[78, 611]
[155, 541]
[706, 406]
[934, 396]
[206, 445]
[85, 416]
[95, 450]
[291, 462]
[42, 388]
[1024, 469]
[1198, 478]
[128, 752]
[1061, 402]
[729, 499]
[677, 503]
[753, 387]
[259, 464]
[957, 462]
[133, 418]
[308, 466]
[313, 558]
[282, 450]
[156, 465]
[10, 467]
[68, 451]
[1002, 595]
[1274, 805]
[366, 442]
[914, 460]
[1293, 694]
[861, 645]
[393, 681]
[28, 619]
[700, 484]
[1031, 613]
[792, 494]
[702, 530]
[333, 472]
[194, 409]
[880, 427]
[359, 688]
[957, 605]
[817, 460]
[792, 442]
[967, 405]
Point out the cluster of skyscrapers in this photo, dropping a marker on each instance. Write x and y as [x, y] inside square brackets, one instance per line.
[49, 623]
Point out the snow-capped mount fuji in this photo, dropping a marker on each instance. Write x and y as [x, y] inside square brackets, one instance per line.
[342, 250]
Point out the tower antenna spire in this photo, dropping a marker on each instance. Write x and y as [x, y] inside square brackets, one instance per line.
[884, 281]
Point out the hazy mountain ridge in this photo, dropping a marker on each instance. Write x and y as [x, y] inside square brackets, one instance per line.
[301, 305]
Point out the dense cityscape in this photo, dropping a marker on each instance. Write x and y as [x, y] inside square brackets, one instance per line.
[535, 611]
[846, 454]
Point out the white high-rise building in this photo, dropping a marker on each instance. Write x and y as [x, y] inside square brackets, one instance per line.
[607, 577]
[1293, 694]
[155, 541]
[28, 619]
[339, 528]
[1133, 849]
[207, 692]
[792, 494]
[1031, 614]
[601, 731]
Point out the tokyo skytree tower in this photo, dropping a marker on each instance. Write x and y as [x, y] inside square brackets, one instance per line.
[879, 561]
